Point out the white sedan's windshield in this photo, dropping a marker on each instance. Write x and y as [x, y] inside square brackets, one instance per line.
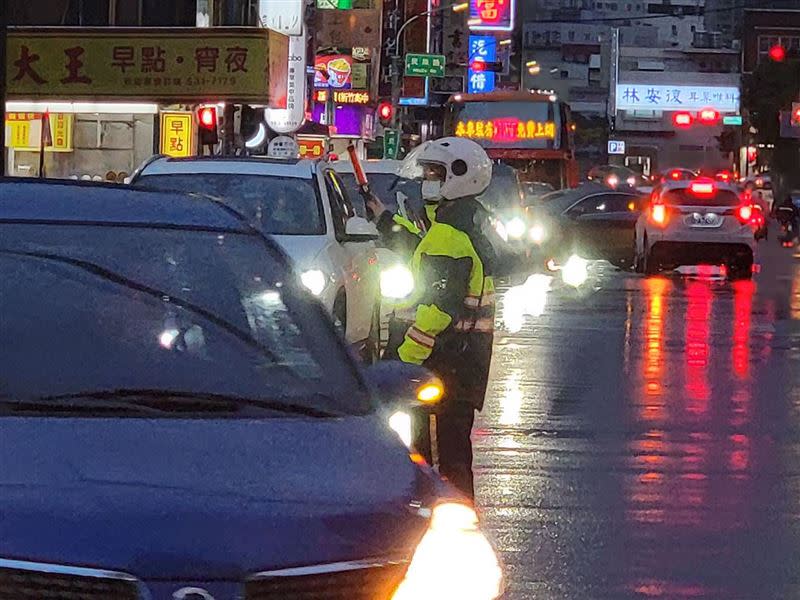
[275, 205]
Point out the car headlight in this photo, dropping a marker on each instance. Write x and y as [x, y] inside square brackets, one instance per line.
[314, 280]
[397, 282]
[515, 228]
[453, 560]
[400, 422]
[537, 233]
[575, 271]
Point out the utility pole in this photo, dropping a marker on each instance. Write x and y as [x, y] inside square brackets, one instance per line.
[3, 38]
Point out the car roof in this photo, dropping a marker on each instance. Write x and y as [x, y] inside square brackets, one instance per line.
[370, 166]
[66, 201]
[238, 165]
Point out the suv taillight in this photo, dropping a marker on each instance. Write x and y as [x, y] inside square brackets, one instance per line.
[658, 214]
[744, 213]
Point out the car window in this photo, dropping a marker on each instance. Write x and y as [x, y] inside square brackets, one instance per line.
[274, 205]
[601, 204]
[103, 308]
[341, 207]
[383, 185]
[684, 197]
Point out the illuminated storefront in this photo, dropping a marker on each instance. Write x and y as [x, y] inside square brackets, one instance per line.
[103, 90]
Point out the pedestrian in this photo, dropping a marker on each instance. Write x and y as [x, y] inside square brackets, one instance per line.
[453, 306]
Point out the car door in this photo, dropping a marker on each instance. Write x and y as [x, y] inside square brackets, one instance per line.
[603, 225]
[360, 265]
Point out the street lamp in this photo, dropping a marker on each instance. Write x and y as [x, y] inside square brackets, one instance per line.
[396, 59]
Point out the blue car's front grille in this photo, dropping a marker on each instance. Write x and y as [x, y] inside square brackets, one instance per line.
[376, 581]
[30, 583]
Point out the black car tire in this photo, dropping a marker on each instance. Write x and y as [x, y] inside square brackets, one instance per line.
[650, 266]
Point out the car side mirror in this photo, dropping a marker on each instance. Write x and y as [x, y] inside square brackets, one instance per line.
[402, 385]
[358, 229]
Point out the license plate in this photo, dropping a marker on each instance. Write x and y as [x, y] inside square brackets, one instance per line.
[704, 220]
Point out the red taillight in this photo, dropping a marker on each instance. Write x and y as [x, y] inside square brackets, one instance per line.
[702, 188]
[744, 213]
[658, 214]
[724, 176]
[682, 119]
[708, 116]
[675, 175]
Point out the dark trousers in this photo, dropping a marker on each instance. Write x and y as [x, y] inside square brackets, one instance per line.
[454, 422]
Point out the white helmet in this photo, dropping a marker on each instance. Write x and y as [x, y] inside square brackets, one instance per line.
[467, 167]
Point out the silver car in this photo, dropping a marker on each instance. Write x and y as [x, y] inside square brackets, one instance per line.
[699, 221]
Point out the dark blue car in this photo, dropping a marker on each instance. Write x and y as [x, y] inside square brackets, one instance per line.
[179, 420]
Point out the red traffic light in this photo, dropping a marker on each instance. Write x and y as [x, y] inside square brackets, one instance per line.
[477, 66]
[777, 53]
[682, 119]
[207, 117]
[385, 112]
[709, 116]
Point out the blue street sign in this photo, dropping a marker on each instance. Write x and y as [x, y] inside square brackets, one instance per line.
[481, 48]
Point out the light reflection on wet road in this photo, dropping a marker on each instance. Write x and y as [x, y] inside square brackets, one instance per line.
[643, 440]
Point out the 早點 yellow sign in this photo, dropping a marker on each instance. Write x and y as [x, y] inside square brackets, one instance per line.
[138, 64]
[177, 134]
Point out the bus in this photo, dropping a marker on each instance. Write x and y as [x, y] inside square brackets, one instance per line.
[532, 132]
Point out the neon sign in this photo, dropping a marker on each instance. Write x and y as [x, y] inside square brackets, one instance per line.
[343, 97]
[506, 130]
[492, 15]
[481, 48]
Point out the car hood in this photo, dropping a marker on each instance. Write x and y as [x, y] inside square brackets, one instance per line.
[303, 250]
[217, 499]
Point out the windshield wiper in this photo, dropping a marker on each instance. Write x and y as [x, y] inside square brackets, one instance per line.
[126, 282]
[180, 401]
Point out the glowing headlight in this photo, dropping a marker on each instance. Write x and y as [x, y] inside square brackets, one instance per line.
[575, 271]
[400, 422]
[397, 282]
[453, 560]
[537, 234]
[515, 228]
[314, 280]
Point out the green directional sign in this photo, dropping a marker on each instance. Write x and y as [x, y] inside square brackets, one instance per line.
[425, 65]
[391, 143]
[732, 120]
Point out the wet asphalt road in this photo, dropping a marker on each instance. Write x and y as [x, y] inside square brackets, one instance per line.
[642, 440]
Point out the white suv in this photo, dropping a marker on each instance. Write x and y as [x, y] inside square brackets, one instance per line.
[699, 221]
[303, 205]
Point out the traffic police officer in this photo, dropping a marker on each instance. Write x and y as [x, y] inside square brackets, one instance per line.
[453, 309]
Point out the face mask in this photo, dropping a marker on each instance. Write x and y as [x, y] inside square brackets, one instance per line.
[431, 190]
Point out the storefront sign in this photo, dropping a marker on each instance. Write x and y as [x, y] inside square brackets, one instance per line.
[509, 129]
[145, 64]
[24, 131]
[343, 96]
[292, 117]
[311, 147]
[333, 70]
[491, 15]
[283, 146]
[424, 65]
[483, 48]
[177, 134]
[645, 96]
[283, 16]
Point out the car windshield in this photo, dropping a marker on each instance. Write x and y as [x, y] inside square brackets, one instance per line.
[275, 205]
[504, 190]
[96, 308]
[685, 197]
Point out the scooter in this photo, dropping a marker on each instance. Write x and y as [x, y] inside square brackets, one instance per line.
[788, 224]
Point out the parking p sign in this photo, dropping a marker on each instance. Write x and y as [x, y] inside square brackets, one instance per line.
[616, 147]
